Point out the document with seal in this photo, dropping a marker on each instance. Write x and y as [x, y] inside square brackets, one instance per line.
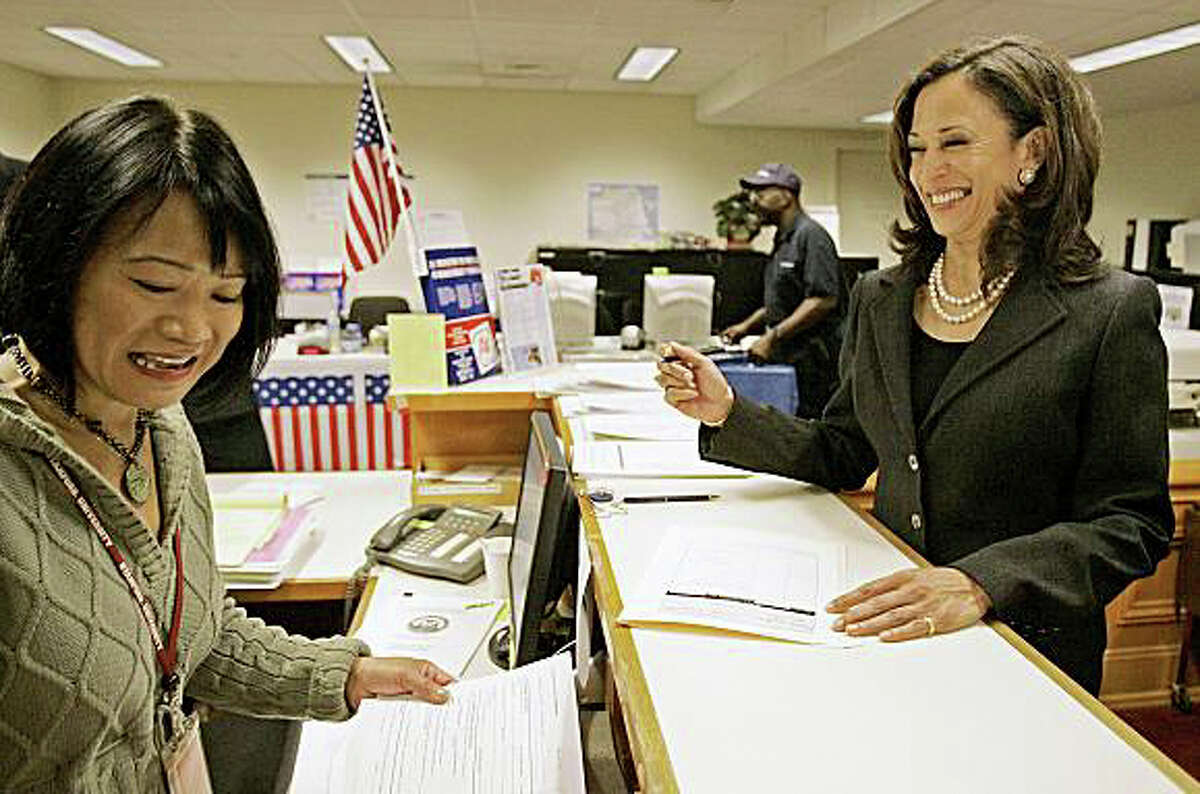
[742, 582]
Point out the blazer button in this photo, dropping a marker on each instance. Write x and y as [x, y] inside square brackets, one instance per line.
[913, 463]
[916, 520]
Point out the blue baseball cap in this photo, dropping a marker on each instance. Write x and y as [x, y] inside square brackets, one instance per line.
[773, 174]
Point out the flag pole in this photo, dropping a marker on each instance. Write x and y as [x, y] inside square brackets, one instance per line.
[410, 231]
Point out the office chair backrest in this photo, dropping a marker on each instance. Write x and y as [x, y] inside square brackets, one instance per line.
[370, 311]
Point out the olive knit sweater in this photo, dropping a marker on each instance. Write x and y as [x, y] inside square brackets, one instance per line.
[78, 676]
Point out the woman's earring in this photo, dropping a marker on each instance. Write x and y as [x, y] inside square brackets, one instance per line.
[1026, 176]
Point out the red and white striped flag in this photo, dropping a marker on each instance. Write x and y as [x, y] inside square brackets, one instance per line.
[373, 209]
[316, 424]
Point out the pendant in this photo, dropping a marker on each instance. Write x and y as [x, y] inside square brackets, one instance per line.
[136, 483]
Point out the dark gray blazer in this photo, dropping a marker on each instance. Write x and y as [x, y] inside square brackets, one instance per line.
[1041, 467]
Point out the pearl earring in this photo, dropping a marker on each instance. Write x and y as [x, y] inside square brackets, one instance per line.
[1026, 176]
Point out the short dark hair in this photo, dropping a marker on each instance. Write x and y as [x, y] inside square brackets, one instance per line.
[1045, 226]
[127, 157]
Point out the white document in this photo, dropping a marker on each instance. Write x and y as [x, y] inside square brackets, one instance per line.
[659, 426]
[646, 459]
[443, 228]
[446, 631]
[618, 403]
[632, 376]
[511, 733]
[572, 405]
[743, 582]
[478, 472]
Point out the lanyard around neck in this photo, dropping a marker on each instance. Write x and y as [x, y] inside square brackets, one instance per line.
[166, 653]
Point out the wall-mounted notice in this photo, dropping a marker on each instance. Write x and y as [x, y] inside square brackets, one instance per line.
[622, 212]
[325, 197]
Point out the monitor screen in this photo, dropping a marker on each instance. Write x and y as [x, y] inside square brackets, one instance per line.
[678, 308]
[542, 540]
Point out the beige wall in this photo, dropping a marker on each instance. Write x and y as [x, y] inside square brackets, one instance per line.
[516, 163]
[30, 111]
[1151, 168]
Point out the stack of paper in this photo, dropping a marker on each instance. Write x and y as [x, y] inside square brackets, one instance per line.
[260, 532]
[646, 459]
[510, 733]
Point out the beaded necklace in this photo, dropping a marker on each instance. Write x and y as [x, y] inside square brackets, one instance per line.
[135, 482]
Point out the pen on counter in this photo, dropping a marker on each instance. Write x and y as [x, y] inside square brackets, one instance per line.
[478, 604]
[673, 497]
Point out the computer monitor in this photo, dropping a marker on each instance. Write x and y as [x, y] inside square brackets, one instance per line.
[542, 539]
[678, 308]
[572, 307]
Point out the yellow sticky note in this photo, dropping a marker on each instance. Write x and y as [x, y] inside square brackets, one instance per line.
[660, 270]
[417, 350]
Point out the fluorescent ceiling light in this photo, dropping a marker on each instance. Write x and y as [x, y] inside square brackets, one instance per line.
[644, 63]
[359, 53]
[103, 45]
[883, 117]
[1167, 41]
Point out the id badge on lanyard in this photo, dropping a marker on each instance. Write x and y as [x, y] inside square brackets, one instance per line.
[182, 754]
[178, 735]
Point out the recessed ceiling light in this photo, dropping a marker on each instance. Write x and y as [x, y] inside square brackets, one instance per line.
[644, 63]
[884, 117]
[103, 45]
[359, 53]
[1157, 44]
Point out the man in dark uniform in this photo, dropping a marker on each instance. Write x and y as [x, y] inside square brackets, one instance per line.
[805, 296]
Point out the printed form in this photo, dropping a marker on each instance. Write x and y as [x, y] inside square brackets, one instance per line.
[512, 733]
[769, 586]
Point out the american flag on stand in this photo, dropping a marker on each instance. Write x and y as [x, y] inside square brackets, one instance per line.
[373, 207]
[315, 424]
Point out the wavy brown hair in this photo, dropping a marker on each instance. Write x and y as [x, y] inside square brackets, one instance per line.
[1045, 226]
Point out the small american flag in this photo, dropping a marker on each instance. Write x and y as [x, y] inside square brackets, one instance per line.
[373, 211]
[315, 424]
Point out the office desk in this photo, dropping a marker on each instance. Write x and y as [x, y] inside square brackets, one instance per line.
[966, 711]
[355, 504]
[1146, 621]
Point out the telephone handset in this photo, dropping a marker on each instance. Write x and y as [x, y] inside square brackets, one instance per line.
[435, 540]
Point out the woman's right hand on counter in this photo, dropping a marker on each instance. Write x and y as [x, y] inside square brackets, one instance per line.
[693, 384]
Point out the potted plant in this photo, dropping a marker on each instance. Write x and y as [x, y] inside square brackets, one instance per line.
[737, 221]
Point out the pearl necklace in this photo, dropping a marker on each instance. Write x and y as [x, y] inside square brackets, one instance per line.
[974, 304]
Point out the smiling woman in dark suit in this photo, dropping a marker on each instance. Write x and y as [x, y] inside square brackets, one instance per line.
[1008, 386]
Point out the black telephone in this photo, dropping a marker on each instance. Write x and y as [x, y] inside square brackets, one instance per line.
[435, 540]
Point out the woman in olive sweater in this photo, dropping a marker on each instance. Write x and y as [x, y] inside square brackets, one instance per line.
[135, 263]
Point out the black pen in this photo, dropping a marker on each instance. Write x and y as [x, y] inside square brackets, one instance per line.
[677, 497]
